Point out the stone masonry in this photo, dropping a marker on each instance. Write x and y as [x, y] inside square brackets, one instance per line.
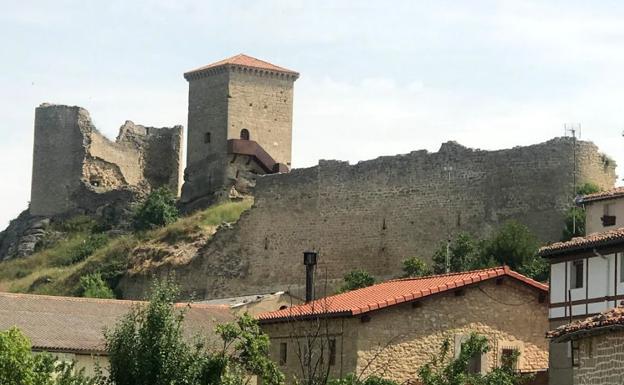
[601, 360]
[376, 213]
[395, 342]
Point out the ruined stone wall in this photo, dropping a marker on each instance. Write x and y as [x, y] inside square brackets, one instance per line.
[72, 159]
[376, 213]
[601, 360]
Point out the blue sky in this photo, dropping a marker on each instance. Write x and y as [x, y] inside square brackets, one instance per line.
[376, 78]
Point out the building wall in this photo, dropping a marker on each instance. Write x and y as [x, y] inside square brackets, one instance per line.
[595, 211]
[73, 162]
[601, 360]
[396, 342]
[376, 213]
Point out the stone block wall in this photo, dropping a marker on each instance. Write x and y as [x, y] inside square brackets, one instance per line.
[72, 160]
[601, 360]
[376, 213]
[395, 342]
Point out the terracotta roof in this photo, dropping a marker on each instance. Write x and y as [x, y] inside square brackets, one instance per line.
[613, 193]
[393, 292]
[582, 243]
[607, 320]
[76, 324]
[243, 61]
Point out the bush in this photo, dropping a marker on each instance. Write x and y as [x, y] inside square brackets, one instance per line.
[351, 379]
[356, 279]
[415, 267]
[464, 254]
[159, 209]
[93, 286]
[83, 249]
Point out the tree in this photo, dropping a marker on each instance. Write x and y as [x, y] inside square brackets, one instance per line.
[444, 370]
[513, 244]
[93, 286]
[415, 267]
[18, 366]
[147, 347]
[159, 209]
[464, 255]
[356, 279]
[575, 216]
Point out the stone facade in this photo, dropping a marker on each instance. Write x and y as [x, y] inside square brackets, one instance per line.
[395, 342]
[376, 213]
[600, 360]
[224, 102]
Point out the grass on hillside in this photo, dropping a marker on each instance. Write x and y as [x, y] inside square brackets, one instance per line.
[57, 268]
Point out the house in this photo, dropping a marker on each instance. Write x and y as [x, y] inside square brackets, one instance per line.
[72, 328]
[256, 303]
[586, 273]
[597, 346]
[393, 328]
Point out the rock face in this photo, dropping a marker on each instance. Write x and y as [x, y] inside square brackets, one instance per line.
[376, 213]
[77, 170]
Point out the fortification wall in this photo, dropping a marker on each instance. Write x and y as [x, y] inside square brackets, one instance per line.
[376, 213]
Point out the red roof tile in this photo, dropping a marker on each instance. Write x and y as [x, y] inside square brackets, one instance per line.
[605, 320]
[393, 292]
[244, 61]
[76, 324]
[589, 241]
[602, 195]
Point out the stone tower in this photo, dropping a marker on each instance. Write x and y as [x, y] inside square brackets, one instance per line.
[239, 126]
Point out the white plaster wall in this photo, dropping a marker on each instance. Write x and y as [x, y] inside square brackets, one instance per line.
[594, 211]
[557, 282]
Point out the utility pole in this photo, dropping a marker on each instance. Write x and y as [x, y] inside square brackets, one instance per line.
[573, 129]
[447, 261]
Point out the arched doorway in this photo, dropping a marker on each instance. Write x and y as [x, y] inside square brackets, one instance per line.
[244, 135]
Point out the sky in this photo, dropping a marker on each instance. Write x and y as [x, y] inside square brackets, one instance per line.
[376, 78]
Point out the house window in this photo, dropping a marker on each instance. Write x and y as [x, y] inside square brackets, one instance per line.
[332, 352]
[283, 353]
[577, 274]
[509, 357]
[244, 134]
[207, 137]
[474, 364]
[608, 217]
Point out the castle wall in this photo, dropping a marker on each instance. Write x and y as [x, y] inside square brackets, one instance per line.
[376, 213]
[73, 162]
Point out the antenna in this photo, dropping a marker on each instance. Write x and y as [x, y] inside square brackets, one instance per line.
[573, 129]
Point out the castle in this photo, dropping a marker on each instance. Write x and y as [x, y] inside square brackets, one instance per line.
[370, 215]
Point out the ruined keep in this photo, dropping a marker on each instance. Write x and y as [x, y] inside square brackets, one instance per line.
[77, 170]
[239, 126]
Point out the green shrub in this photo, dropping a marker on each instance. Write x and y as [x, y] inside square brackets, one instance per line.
[93, 286]
[415, 267]
[159, 209]
[356, 279]
[82, 249]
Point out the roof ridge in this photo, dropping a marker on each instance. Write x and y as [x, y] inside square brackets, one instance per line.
[444, 274]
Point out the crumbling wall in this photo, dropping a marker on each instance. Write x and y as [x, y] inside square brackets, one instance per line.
[376, 213]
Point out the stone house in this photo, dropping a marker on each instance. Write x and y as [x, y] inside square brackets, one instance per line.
[72, 328]
[586, 273]
[393, 328]
[597, 347]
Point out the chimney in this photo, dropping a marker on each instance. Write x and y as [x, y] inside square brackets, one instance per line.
[309, 260]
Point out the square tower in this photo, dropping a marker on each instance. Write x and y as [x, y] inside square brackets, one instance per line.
[240, 107]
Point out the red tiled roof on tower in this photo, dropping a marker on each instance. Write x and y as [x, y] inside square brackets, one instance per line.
[394, 292]
[243, 61]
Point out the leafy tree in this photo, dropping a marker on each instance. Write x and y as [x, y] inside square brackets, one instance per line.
[147, 348]
[93, 286]
[18, 366]
[464, 254]
[587, 188]
[159, 209]
[415, 267]
[513, 244]
[356, 279]
[575, 216]
[443, 370]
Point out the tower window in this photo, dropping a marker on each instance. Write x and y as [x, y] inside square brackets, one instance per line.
[207, 137]
[244, 135]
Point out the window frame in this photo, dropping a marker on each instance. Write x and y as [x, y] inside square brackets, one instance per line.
[577, 270]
